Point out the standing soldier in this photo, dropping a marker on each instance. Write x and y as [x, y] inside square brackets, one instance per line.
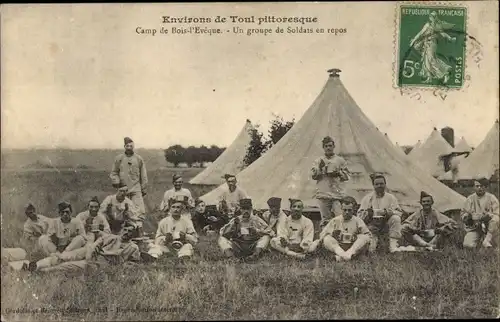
[129, 168]
[330, 172]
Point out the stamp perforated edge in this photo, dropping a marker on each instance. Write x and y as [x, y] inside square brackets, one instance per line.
[395, 62]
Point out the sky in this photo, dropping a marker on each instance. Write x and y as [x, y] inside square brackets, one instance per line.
[79, 76]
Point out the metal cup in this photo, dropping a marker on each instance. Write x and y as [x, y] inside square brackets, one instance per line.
[244, 231]
[346, 238]
[429, 233]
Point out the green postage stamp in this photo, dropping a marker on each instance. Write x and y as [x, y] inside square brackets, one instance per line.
[431, 45]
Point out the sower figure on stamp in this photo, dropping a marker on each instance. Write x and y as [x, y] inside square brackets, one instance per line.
[380, 211]
[481, 217]
[130, 169]
[107, 249]
[426, 43]
[330, 172]
[65, 234]
[93, 220]
[244, 236]
[175, 233]
[427, 227]
[176, 192]
[275, 217]
[297, 234]
[346, 235]
[229, 200]
[120, 211]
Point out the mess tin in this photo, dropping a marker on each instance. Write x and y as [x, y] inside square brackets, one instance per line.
[346, 238]
[429, 233]
[244, 231]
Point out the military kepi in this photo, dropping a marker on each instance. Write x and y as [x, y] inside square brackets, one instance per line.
[274, 202]
[424, 194]
[246, 203]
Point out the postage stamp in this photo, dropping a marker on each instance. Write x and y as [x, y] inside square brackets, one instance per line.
[431, 46]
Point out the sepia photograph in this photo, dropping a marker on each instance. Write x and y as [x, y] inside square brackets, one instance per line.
[250, 161]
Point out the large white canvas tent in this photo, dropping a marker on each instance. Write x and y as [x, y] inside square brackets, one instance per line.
[482, 162]
[427, 155]
[284, 171]
[230, 161]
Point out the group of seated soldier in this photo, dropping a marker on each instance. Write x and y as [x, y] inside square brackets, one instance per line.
[105, 232]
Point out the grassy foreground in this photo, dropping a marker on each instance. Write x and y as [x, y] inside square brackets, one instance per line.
[452, 284]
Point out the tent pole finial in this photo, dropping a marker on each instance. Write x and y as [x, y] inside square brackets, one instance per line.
[334, 72]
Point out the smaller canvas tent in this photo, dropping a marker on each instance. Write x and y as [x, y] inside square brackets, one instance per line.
[482, 162]
[400, 148]
[230, 161]
[463, 146]
[427, 156]
[396, 146]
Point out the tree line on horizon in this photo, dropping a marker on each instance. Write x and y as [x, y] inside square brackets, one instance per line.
[177, 154]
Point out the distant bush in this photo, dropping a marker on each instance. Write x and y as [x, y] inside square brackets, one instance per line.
[177, 154]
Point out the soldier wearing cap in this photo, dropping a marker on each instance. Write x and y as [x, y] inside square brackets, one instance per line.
[130, 169]
[427, 227]
[35, 225]
[480, 215]
[244, 236]
[207, 218]
[93, 220]
[120, 211]
[177, 191]
[275, 217]
[380, 210]
[346, 235]
[296, 239]
[175, 233]
[65, 234]
[229, 199]
[330, 172]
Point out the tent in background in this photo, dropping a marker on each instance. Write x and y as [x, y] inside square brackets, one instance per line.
[230, 161]
[463, 146]
[482, 162]
[285, 170]
[427, 155]
[416, 146]
[400, 148]
[396, 146]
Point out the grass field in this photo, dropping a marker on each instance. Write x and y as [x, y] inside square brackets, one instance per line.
[452, 284]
